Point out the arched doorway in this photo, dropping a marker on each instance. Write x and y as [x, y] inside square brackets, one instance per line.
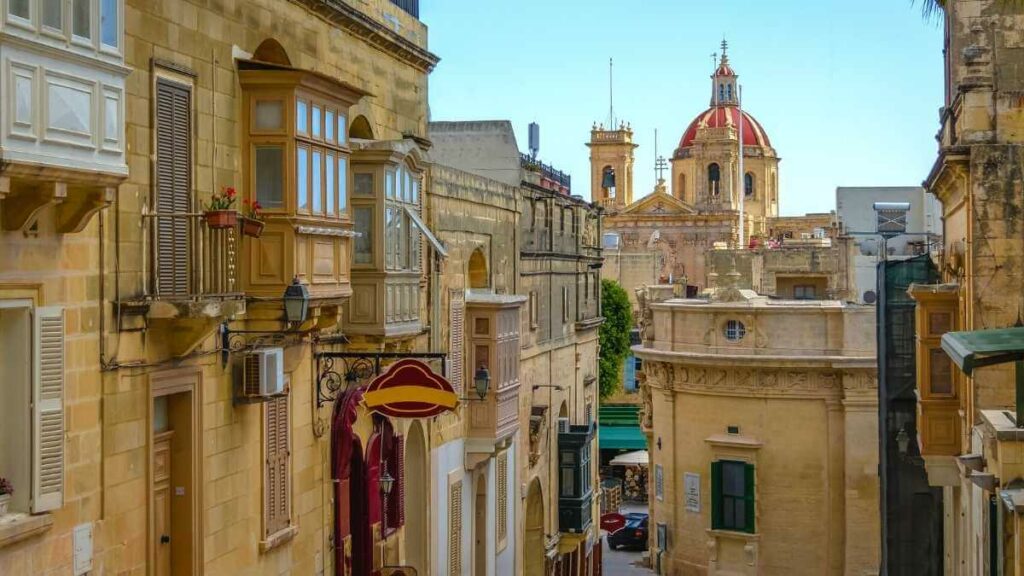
[478, 276]
[416, 530]
[534, 544]
[480, 527]
[353, 542]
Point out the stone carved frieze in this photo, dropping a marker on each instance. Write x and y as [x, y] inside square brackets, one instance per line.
[743, 381]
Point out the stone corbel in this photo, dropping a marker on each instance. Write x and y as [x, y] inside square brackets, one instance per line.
[76, 212]
[22, 207]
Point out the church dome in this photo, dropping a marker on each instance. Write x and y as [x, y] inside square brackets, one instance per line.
[722, 116]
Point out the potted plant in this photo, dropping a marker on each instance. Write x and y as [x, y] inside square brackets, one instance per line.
[6, 489]
[252, 221]
[218, 212]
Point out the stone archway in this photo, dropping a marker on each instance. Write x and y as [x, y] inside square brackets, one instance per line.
[360, 128]
[417, 537]
[533, 545]
[478, 276]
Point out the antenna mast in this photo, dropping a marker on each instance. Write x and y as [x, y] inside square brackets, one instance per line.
[611, 98]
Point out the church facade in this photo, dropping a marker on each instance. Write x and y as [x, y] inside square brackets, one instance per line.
[665, 236]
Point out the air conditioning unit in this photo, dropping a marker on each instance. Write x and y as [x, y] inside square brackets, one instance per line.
[263, 373]
[563, 425]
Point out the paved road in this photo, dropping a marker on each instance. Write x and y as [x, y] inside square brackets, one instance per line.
[620, 563]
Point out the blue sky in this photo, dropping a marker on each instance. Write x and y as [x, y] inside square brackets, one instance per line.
[848, 92]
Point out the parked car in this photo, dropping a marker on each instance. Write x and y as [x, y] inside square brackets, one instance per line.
[633, 534]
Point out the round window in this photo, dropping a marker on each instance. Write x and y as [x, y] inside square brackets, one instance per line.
[735, 330]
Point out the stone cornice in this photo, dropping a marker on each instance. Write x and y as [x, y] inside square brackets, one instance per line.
[758, 360]
[373, 32]
[853, 385]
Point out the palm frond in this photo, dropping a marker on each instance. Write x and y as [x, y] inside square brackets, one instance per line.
[931, 8]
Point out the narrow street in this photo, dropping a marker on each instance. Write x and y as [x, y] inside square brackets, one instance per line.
[622, 562]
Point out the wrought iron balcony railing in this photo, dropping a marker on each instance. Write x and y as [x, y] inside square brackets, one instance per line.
[189, 260]
[546, 171]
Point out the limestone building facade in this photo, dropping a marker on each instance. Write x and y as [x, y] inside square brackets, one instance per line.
[555, 269]
[967, 434]
[761, 418]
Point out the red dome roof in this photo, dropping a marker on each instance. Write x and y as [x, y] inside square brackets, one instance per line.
[721, 116]
[724, 69]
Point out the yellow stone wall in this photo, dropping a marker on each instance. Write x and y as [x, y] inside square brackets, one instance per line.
[805, 412]
[62, 270]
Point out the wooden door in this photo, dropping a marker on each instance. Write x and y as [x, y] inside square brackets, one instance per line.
[162, 502]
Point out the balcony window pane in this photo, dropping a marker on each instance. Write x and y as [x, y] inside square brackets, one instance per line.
[342, 184]
[390, 237]
[302, 116]
[415, 190]
[302, 177]
[317, 190]
[567, 481]
[81, 18]
[331, 192]
[109, 28]
[342, 128]
[363, 183]
[317, 123]
[363, 224]
[53, 14]
[941, 377]
[19, 8]
[270, 176]
[329, 126]
[389, 184]
[269, 115]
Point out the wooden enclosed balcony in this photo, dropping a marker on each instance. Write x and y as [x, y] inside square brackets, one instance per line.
[938, 383]
[493, 339]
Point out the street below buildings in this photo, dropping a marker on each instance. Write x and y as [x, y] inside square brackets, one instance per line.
[622, 562]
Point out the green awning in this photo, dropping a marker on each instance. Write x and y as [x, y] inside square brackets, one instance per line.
[980, 348]
[619, 415]
[621, 438]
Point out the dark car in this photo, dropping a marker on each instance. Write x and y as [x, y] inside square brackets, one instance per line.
[633, 534]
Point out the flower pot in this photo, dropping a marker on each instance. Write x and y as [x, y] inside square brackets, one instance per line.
[219, 219]
[5, 499]
[252, 227]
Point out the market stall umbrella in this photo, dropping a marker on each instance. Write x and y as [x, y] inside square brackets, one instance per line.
[637, 458]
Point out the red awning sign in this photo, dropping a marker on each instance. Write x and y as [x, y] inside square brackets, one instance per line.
[410, 389]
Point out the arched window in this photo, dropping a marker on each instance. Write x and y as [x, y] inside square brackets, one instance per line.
[714, 179]
[478, 277]
[608, 181]
[360, 128]
[748, 184]
[681, 187]
[728, 91]
[721, 92]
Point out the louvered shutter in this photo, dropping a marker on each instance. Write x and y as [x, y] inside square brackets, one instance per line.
[173, 186]
[716, 494]
[48, 411]
[400, 503]
[277, 511]
[455, 528]
[456, 341]
[749, 498]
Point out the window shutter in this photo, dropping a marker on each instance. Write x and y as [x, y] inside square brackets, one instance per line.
[400, 448]
[455, 528]
[456, 339]
[716, 494]
[749, 498]
[48, 411]
[173, 185]
[277, 511]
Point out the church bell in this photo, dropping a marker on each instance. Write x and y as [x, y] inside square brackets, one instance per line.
[608, 181]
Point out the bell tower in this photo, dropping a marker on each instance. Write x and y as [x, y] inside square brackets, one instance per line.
[611, 166]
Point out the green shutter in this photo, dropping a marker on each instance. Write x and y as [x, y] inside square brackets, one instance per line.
[716, 495]
[749, 497]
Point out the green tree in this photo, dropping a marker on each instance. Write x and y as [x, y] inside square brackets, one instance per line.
[614, 336]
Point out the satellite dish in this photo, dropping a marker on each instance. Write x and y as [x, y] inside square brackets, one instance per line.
[870, 297]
